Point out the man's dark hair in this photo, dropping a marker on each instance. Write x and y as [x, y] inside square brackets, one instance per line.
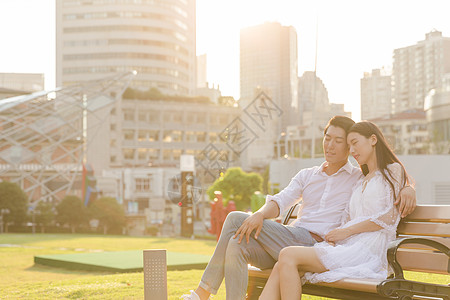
[340, 121]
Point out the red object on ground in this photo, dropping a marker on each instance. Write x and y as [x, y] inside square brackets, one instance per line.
[219, 213]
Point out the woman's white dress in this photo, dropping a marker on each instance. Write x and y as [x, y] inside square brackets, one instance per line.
[363, 255]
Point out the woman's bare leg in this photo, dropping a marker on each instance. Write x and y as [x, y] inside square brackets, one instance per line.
[292, 259]
[271, 290]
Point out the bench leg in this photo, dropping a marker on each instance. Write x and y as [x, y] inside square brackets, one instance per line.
[255, 288]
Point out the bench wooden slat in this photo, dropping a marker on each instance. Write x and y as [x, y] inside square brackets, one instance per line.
[423, 261]
[364, 285]
[430, 213]
[425, 229]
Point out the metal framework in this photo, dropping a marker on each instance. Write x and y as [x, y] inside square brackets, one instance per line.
[44, 136]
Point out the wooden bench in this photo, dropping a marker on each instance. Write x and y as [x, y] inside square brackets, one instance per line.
[422, 245]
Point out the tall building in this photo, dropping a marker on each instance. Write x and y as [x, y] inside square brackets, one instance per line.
[419, 68]
[312, 96]
[315, 110]
[268, 62]
[375, 95]
[100, 38]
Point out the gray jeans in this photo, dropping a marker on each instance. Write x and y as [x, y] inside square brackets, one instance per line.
[230, 259]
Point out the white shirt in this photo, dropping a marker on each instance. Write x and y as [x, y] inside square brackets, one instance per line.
[324, 198]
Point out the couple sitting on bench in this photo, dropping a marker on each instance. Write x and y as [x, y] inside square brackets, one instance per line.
[347, 218]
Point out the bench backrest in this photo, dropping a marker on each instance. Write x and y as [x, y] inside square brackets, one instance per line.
[428, 221]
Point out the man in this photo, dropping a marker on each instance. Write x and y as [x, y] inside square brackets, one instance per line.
[325, 191]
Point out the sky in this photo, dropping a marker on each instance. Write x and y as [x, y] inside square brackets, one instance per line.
[354, 36]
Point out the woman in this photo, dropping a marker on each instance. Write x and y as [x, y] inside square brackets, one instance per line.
[358, 248]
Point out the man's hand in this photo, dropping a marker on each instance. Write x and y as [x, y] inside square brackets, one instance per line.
[253, 222]
[406, 201]
[337, 235]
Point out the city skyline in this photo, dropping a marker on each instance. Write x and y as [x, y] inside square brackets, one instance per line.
[354, 37]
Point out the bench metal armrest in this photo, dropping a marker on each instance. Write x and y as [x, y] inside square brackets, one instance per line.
[394, 245]
[289, 213]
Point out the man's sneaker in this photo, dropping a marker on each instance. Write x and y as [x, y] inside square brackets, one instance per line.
[192, 296]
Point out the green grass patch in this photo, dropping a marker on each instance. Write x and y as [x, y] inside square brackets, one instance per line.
[21, 279]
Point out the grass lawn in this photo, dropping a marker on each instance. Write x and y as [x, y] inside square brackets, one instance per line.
[21, 279]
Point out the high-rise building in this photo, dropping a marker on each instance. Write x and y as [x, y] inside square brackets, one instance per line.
[156, 38]
[312, 96]
[268, 62]
[419, 68]
[375, 95]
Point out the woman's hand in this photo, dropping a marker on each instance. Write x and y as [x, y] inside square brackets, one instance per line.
[337, 235]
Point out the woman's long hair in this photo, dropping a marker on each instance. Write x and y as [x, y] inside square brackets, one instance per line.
[384, 154]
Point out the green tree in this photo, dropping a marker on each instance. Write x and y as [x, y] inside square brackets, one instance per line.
[238, 186]
[44, 214]
[71, 211]
[15, 200]
[109, 212]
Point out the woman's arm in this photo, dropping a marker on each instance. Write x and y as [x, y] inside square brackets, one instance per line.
[340, 234]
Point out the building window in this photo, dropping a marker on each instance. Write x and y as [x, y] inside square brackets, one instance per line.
[223, 120]
[190, 118]
[128, 135]
[153, 117]
[142, 135]
[201, 118]
[153, 135]
[213, 120]
[142, 154]
[167, 154]
[172, 136]
[167, 117]
[167, 136]
[142, 184]
[201, 136]
[176, 136]
[128, 115]
[128, 153]
[190, 136]
[212, 137]
[176, 154]
[178, 117]
[142, 116]
[153, 154]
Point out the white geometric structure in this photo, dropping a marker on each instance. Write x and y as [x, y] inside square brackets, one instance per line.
[44, 136]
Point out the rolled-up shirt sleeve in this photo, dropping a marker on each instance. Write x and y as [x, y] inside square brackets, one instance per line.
[291, 194]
